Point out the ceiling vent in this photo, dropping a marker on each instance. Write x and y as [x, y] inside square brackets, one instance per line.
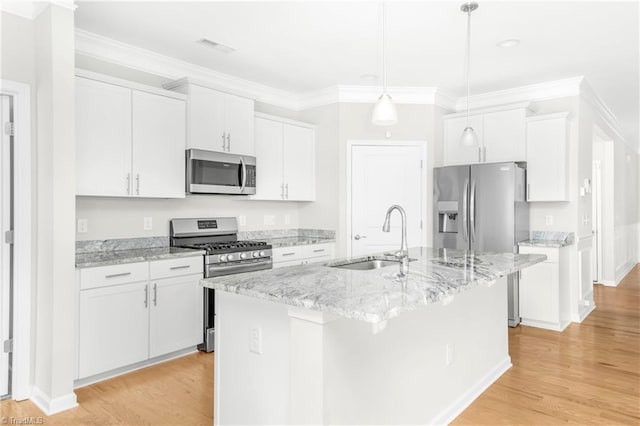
[215, 45]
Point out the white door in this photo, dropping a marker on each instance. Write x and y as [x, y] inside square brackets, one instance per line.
[176, 314]
[5, 249]
[239, 125]
[114, 327]
[299, 167]
[268, 137]
[206, 119]
[103, 139]
[380, 177]
[158, 146]
[454, 153]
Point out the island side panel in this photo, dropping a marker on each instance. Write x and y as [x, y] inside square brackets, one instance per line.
[250, 388]
[400, 374]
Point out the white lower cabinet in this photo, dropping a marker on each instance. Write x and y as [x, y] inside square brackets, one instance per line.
[544, 290]
[302, 255]
[122, 322]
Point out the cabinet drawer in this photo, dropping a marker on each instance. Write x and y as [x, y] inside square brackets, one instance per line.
[551, 253]
[317, 250]
[176, 267]
[283, 254]
[103, 276]
[284, 264]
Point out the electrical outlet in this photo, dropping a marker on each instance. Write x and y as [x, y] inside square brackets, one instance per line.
[83, 226]
[255, 340]
[548, 220]
[269, 219]
[449, 354]
[148, 224]
[287, 219]
[242, 220]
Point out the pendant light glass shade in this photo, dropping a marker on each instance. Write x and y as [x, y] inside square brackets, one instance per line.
[384, 112]
[468, 137]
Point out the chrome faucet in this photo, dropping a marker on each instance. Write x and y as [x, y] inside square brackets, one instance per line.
[403, 253]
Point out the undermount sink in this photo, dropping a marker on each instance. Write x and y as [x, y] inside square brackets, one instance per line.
[367, 263]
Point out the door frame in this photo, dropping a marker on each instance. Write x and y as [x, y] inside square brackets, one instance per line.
[22, 249]
[394, 144]
[596, 201]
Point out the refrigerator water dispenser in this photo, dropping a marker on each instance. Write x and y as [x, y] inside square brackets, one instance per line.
[448, 216]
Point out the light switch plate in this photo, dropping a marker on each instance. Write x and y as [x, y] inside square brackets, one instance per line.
[83, 226]
[147, 223]
[287, 219]
[255, 340]
[548, 220]
[242, 220]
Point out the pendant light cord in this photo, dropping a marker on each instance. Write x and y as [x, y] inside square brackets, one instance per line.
[384, 61]
[468, 61]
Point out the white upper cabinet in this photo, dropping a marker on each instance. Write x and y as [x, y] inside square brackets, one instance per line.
[217, 121]
[547, 157]
[103, 139]
[455, 153]
[158, 146]
[501, 137]
[130, 141]
[285, 159]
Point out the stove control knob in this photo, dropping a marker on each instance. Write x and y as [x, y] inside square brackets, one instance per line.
[223, 258]
[243, 255]
[255, 254]
[261, 253]
[230, 257]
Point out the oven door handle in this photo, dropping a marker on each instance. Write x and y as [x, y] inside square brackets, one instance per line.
[237, 266]
[244, 174]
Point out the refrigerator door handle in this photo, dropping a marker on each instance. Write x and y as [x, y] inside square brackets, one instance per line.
[472, 211]
[465, 201]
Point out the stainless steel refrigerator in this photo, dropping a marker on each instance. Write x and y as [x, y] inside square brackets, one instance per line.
[482, 207]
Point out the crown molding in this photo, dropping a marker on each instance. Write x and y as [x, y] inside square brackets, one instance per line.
[32, 9]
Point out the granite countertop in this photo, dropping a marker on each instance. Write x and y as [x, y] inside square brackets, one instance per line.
[544, 243]
[114, 257]
[297, 241]
[375, 295]
[550, 239]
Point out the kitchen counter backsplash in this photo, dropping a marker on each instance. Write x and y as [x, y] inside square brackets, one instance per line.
[549, 239]
[92, 246]
[270, 234]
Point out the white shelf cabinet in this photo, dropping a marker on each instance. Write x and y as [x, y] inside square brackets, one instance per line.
[285, 158]
[302, 255]
[547, 171]
[130, 142]
[134, 312]
[501, 137]
[217, 121]
[544, 290]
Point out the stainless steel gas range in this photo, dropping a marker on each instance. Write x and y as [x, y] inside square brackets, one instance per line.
[225, 255]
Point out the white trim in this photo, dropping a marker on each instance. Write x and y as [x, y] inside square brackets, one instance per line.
[585, 310]
[284, 120]
[52, 406]
[392, 143]
[465, 400]
[502, 107]
[23, 259]
[625, 270]
[553, 326]
[32, 9]
[90, 75]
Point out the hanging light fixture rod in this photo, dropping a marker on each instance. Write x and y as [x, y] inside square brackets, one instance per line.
[469, 137]
[384, 111]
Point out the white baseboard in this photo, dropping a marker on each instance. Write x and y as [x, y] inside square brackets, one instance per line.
[459, 405]
[625, 270]
[553, 326]
[607, 283]
[584, 313]
[50, 406]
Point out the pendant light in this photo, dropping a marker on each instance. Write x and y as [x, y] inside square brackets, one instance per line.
[384, 111]
[468, 137]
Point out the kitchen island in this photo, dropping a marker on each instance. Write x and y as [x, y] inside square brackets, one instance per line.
[321, 344]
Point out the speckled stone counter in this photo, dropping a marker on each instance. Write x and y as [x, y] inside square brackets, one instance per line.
[375, 295]
[297, 241]
[114, 257]
[290, 237]
[549, 239]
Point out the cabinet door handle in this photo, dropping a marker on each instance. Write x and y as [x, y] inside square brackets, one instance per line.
[128, 183]
[146, 295]
[180, 267]
[228, 142]
[137, 183]
[155, 294]
[357, 236]
[223, 141]
[282, 191]
[318, 251]
[484, 154]
[286, 188]
[124, 274]
[288, 254]
[528, 191]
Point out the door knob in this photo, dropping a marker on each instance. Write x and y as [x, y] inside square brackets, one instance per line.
[357, 237]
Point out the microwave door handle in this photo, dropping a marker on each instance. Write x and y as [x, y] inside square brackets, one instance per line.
[244, 174]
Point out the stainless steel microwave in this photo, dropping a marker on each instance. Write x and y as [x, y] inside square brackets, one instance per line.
[210, 172]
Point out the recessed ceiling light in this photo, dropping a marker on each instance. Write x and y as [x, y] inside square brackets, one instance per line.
[369, 77]
[215, 45]
[512, 42]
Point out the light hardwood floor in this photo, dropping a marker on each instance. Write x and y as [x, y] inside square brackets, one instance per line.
[588, 374]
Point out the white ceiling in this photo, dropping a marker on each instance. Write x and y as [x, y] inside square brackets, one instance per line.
[303, 46]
